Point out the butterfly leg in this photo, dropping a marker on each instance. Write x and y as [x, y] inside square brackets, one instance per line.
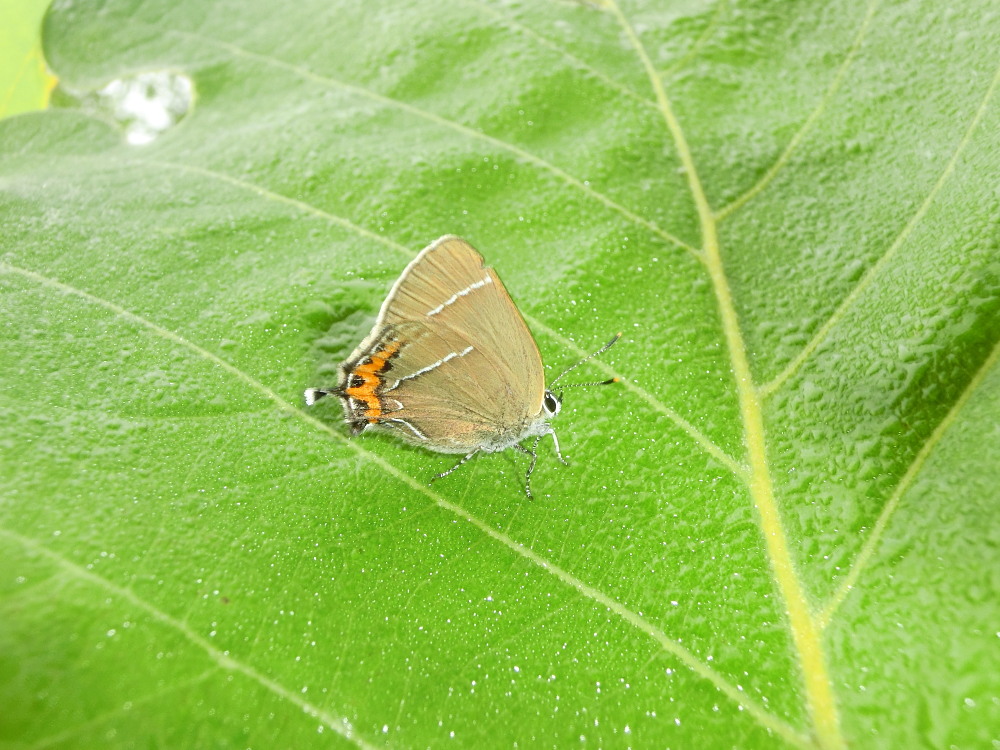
[556, 441]
[446, 473]
[531, 467]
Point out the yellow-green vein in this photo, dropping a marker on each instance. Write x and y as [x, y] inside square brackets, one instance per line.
[575, 61]
[872, 273]
[760, 714]
[821, 702]
[832, 89]
[700, 42]
[868, 549]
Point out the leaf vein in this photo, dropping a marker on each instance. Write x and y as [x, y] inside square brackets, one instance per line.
[700, 42]
[338, 724]
[820, 699]
[76, 730]
[868, 549]
[800, 134]
[699, 668]
[549, 44]
[693, 432]
[465, 130]
[873, 272]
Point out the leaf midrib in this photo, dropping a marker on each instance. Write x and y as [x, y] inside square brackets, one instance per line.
[819, 697]
[805, 625]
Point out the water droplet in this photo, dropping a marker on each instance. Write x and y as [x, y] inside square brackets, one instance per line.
[146, 104]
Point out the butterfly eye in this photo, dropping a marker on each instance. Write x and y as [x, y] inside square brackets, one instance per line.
[551, 403]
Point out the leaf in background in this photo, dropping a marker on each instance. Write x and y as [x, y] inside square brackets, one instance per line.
[25, 81]
[779, 532]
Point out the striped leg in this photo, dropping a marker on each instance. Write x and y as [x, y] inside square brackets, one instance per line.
[531, 467]
[556, 441]
[446, 473]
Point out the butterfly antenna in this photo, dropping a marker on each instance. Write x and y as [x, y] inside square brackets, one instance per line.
[609, 381]
[587, 359]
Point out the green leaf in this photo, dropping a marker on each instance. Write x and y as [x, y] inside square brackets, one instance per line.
[25, 81]
[780, 530]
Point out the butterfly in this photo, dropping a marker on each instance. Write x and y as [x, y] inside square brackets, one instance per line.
[450, 364]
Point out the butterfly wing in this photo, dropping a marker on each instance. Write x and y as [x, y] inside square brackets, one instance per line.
[450, 362]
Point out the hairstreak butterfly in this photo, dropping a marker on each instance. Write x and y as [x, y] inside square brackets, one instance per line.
[450, 364]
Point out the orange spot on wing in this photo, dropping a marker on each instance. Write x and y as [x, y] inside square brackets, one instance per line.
[370, 373]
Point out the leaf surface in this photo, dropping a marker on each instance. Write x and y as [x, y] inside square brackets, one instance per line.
[779, 531]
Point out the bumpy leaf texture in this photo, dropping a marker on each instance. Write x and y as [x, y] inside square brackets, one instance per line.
[781, 528]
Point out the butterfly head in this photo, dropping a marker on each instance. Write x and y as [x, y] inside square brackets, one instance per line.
[551, 403]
